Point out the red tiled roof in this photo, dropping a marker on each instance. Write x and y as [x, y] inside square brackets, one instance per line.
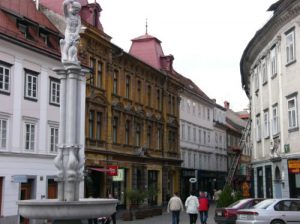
[25, 11]
[148, 49]
[26, 8]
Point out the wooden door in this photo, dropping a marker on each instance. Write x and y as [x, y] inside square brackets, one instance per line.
[25, 195]
[52, 189]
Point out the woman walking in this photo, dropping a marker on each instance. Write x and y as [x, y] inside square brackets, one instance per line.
[203, 207]
[192, 205]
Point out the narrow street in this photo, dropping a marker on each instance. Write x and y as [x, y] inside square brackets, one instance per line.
[166, 218]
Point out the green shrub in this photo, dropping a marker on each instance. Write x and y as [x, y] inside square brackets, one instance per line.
[228, 196]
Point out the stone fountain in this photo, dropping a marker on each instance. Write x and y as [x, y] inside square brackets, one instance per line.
[68, 208]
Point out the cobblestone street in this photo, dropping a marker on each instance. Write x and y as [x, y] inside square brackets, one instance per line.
[166, 218]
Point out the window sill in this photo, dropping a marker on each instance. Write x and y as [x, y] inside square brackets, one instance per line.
[54, 104]
[30, 99]
[290, 63]
[293, 129]
[5, 93]
[274, 76]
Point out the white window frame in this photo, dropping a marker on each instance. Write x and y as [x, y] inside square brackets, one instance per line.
[54, 91]
[258, 128]
[290, 46]
[4, 132]
[256, 80]
[5, 77]
[275, 120]
[183, 131]
[31, 136]
[31, 86]
[273, 61]
[292, 113]
[266, 124]
[53, 137]
[264, 72]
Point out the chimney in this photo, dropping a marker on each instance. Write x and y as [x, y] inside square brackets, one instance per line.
[226, 105]
[37, 4]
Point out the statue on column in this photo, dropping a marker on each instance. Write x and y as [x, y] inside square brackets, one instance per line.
[68, 45]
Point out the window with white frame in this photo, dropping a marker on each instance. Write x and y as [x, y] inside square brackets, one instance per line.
[31, 84]
[54, 91]
[264, 73]
[275, 120]
[53, 141]
[194, 108]
[256, 80]
[258, 128]
[292, 112]
[183, 131]
[189, 133]
[29, 138]
[188, 106]
[199, 135]
[290, 46]
[3, 133]
[4, 77]
[273, 61]
[266, 124]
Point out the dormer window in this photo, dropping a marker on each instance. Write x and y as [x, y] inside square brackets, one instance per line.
[95, 18]
[44, 36]
[24, 29]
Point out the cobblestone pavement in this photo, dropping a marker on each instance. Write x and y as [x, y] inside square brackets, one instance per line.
[166, 218]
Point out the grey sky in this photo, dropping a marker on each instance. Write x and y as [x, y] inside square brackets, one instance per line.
[206, 38]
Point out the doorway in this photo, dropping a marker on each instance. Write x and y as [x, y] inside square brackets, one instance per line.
[26, 194]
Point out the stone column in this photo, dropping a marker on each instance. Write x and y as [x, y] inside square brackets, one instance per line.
[69, 160]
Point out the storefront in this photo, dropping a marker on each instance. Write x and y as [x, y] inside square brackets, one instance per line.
[294, 177]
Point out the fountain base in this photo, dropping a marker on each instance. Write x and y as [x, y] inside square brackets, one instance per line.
[70, 212]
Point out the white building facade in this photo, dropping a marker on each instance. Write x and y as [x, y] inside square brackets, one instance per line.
[197, 141]
[270, 76]
[29, 109]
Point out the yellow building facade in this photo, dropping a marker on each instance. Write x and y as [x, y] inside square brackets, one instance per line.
[131, 123]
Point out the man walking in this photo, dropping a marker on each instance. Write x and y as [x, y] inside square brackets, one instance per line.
[175, 206]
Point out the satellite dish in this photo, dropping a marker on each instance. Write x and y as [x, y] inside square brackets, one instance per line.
[193, 180]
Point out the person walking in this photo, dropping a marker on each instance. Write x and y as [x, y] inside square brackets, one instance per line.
[113, 216]
[175, 206]
[192, 205]
[203, 207]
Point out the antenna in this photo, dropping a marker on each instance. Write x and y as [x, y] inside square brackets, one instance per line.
[146, 26]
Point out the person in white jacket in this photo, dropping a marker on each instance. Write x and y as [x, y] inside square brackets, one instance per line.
[175, 206]
[192, 204]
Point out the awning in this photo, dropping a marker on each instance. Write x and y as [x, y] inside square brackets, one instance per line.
[110, 170]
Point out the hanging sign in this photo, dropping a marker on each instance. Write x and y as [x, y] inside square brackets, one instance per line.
[112, 170]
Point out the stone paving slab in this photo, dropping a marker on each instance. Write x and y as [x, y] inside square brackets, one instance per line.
[166, 218]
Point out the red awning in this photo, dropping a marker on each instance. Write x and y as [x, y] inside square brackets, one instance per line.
[104, 170]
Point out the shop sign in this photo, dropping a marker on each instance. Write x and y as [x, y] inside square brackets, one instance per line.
[193, 180]
[286, 148]
[120, 176]
[112, 170]
[294, 166]
[19, 179]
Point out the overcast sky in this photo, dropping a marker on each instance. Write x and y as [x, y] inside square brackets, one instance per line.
[206, 37]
